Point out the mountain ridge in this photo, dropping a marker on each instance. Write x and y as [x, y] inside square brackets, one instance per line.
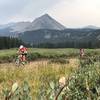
[45, 22]
[91, 27]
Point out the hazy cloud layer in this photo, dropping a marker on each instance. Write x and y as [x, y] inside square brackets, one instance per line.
[77, 13]
[17, 10]
[71, 13]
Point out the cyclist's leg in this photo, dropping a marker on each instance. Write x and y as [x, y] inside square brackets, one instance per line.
[26, 57]
[23, 59]
[20, 57]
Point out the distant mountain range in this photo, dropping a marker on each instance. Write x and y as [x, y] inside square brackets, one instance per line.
[91, 27]
[43, 22]
[13, 29]
[45, 29]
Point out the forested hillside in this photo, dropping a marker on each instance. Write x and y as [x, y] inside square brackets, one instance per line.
[71, 38]
[8, 42]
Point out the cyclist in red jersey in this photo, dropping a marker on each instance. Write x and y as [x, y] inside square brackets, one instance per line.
[22, 53]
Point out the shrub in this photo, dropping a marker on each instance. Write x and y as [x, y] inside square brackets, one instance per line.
[83, 84]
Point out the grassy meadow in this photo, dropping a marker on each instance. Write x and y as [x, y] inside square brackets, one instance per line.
[45, 66]
[35, 53]
[35, 73]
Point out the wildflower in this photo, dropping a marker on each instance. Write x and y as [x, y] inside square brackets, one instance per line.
[14, 87]
[62, 81]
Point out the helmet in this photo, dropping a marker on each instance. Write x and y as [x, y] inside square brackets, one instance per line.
[21, 46]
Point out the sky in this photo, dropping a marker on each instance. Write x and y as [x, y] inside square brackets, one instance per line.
[70, 13]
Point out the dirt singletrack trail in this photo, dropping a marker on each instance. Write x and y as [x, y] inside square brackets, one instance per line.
[73, 62]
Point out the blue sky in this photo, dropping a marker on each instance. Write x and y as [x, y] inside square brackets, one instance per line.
[71, 13]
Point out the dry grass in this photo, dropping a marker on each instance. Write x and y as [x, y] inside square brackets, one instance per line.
[35, 73]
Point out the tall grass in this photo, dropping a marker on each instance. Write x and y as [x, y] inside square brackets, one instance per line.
[35, 73]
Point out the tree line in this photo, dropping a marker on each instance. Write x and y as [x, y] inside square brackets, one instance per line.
[10, 42]
[69, 44]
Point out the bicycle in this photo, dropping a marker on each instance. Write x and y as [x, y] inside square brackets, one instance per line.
[19, 62]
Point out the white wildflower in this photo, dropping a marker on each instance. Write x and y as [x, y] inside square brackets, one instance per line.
[14, 87]
[62, 81]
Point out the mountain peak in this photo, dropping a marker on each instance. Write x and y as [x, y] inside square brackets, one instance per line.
[45, 22]
[45, 15]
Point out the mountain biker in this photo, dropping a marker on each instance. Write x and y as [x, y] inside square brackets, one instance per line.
[22, 51]
[81, 52]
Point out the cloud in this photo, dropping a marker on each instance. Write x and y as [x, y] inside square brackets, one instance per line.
[17, 10]
[77, 13]
[71, 13]
[9, 8]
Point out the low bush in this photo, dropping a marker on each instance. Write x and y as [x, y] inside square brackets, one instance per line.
[83, 84]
